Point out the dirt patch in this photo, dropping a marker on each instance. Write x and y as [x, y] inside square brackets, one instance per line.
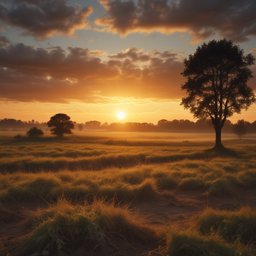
[178, 206]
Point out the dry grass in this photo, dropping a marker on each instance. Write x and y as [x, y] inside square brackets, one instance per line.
[64, 227]
[69, 172]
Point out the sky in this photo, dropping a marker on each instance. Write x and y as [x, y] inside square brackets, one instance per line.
[92, 59]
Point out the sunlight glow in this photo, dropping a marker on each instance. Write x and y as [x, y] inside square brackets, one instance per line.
[120, 115]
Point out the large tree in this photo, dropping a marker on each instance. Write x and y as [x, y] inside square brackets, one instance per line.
[217, 75]
[61, 125]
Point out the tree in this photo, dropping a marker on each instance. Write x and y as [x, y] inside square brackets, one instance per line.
[92, 125]
[217, 75]
[61, 125]
[240, 128]
[35, 132]
[80, 127]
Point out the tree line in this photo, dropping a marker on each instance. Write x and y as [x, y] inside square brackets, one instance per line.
[163, 125]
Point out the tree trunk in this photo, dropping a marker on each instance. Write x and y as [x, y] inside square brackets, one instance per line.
[218, 144]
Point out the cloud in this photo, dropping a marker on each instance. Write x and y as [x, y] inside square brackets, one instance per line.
[54, 62]
[45, 18]
[135, 54]
[54, 75]
[233, 19]
[4, 41]
[97, 53]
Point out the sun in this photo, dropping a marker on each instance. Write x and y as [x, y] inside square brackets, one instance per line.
[120, 115]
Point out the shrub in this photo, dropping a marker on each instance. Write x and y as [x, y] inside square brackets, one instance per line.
[18, 136]
[35, 132]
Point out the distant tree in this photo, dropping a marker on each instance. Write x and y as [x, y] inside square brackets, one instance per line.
[60, 124]
[105, 125]
[34, 132]
[240, 128]
[92, 124]
[18, 136]
[80, 127]
[217, 75]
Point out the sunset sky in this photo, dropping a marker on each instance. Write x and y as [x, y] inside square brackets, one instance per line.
[92, 59]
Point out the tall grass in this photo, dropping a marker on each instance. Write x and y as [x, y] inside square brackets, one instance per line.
[191, 243]
[127, 184]
[237, 226]
[64, 227]
[122, 171]
[100, 227]
[92, 153]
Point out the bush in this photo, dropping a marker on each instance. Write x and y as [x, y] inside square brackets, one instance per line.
[18, 136]
[35, 132]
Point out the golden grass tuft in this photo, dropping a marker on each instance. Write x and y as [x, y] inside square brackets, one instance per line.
[64, 227]
[237, 226]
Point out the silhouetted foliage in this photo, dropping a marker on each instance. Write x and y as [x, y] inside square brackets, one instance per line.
[163, 125]
[133, 127]
[240, 128]
[92, 125]
[80, 127]
[35, 132]
[217, 75]
[61, 125]
[18, 136]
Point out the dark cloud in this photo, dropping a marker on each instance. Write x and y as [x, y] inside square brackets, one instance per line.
[79, 63]
[4, 41]
[54, 75]
[234, 19]
[44, 18]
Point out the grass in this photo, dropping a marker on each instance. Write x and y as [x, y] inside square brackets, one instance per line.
[128, 184]
[236, 226]
[91, 153]
[64, 227]
[91, 186]
[191, 243]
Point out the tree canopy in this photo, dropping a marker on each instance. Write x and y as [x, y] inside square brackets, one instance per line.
[34, 132]
[60, 124]
[240, 128]
[217, 75]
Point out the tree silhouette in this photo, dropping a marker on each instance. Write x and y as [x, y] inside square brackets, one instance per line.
[34, 132]
[217, 75]
[240, 128]
[61, 125]
[80, 127]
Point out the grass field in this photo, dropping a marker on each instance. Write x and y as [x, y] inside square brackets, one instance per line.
[127, 194]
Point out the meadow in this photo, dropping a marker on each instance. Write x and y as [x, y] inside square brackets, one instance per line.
[127, 194]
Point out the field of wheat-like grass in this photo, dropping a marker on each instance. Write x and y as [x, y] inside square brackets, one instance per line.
[105, 195]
